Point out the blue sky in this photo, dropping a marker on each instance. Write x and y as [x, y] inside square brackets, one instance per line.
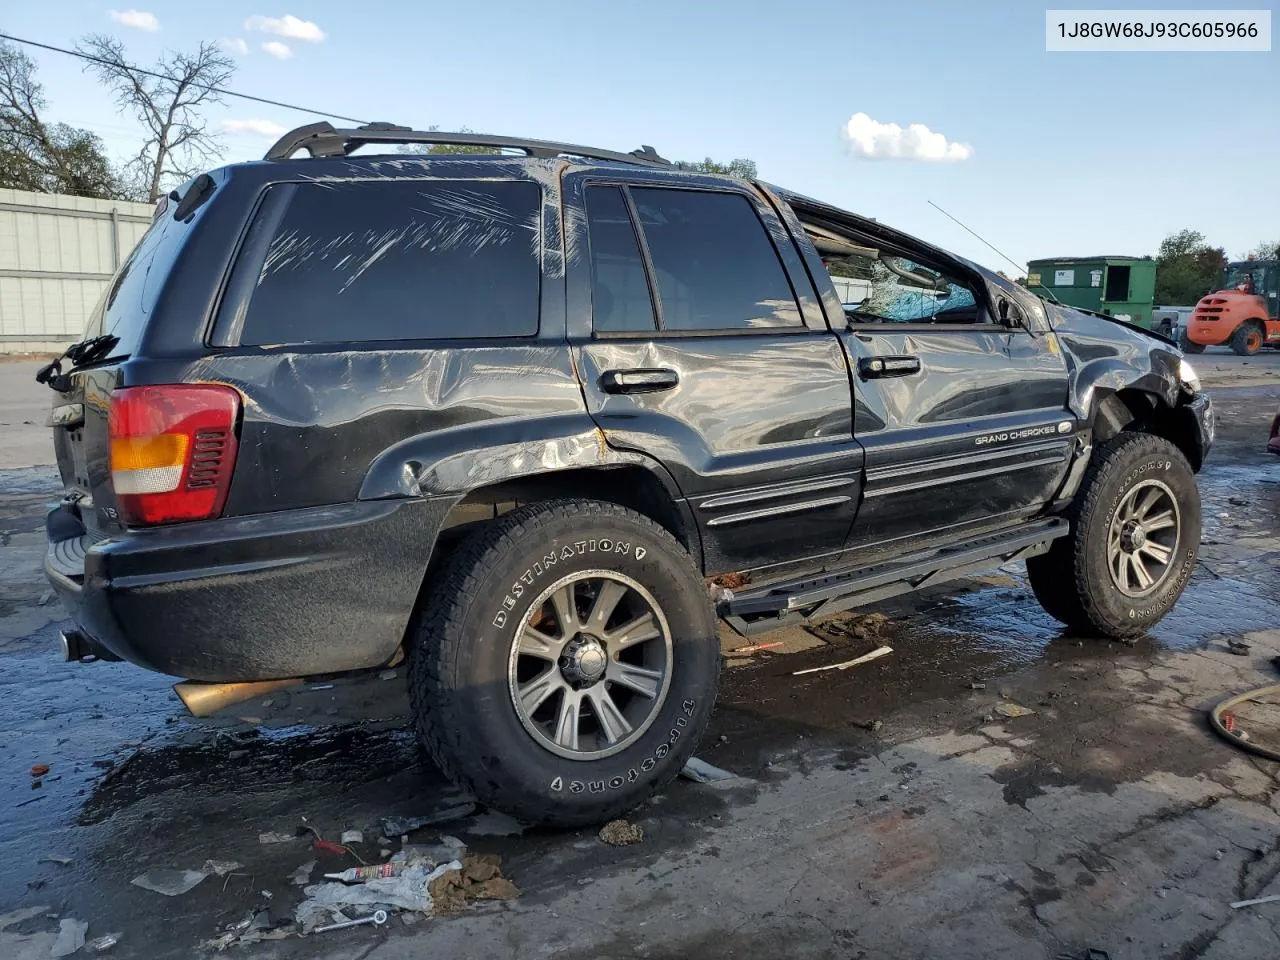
[1067, 153]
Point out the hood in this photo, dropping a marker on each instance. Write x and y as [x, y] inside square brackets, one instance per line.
[1060, 314]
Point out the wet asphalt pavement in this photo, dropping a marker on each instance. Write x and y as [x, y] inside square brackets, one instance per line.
[134, 784]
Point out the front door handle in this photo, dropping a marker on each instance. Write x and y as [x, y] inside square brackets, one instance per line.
[876, 368]
[638, 381]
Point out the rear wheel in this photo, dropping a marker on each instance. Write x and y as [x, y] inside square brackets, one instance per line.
[566, 668]
[1248, 338]
[1187, 344]
[1135, 536]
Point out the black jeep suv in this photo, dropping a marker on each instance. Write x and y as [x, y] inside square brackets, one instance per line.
[508, 416]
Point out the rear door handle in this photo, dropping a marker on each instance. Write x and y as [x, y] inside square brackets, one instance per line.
[876, 368]
[638, 381]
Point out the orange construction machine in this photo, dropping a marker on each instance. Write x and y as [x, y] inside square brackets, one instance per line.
[1244, 315]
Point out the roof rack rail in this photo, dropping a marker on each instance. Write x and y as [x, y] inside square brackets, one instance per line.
[324, 140]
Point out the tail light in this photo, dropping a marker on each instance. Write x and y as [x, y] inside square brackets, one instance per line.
[172, 451]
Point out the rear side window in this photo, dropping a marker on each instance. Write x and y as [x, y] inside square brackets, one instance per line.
[620, 300]
[715, 266]
[401, 260]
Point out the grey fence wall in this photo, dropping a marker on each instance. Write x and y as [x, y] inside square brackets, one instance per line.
[57, 254]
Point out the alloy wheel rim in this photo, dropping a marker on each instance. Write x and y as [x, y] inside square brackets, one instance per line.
[590, 664]
[1142, 540]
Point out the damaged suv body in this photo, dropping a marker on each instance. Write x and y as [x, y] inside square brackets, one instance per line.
[507, 415]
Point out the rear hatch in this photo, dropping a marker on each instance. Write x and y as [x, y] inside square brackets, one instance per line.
[93, 368]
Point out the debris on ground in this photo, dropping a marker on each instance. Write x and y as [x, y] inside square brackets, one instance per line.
[621, 833]
[757, 647]
[399, 826]
[1272, 898]
[850, 626]
[70, 937]
[302, 876]
[845, 665]
[274, 836]
[220, 868]
[61, 859]
[104, 943]
[977, 686]
[171, 883]
[1240, 648]
[449, 848]
[478, 877]
[872, 725]
[1012, 710]
[377, 871]
[377, 918]
[39, 769]
[387, 675]
[352, 836]
[328, 846]
[699, 771]
[408, 891]
[730, 581]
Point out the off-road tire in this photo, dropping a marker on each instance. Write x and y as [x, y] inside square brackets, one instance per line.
[1249, 338]
[1188, 345]
[459, 660]
[1073, 581]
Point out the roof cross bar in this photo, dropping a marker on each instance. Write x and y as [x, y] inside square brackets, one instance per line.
[324, 140]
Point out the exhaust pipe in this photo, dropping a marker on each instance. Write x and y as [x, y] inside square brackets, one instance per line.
[204, 699]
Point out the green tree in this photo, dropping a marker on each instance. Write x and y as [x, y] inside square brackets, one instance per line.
[1187, 268]
[741, 168]
[45, 157]
[436, 149]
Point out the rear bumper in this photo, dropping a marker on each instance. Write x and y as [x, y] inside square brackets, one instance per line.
[295, 593]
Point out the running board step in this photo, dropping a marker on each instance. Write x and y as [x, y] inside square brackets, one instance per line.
[751, 612]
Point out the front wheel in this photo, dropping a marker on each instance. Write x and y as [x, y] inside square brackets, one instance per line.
[1248, 338]
[1135, 536]
[567, 666]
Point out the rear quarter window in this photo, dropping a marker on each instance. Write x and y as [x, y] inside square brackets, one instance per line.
[403, 260]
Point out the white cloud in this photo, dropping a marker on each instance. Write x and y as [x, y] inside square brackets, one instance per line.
[888, 141]
[254, 127]
[138, 19]
[234, 46]
[277, 49]
[286, 26]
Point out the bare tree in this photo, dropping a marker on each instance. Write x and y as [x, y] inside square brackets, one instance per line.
[167, 99]
[39, 156]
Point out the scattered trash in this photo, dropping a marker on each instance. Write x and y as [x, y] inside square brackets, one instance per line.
[699, 771]
[104, 943]
[171, 883]
[621, 833]
[70, 937]
[377, 871]
[977, 686]
[872, 725]
[1013, 710]
[352, 836]
[274, 836]
[39, 770]
[1272, 898]
[45, 598]
[1240, 648]
[58, 858]
[479, 877]
[320, 686]
[449, 848]
[408, 891]
[865, 658]
[387, 675]
[302, 876]
[378, 917]
[220, 868]
[399, 826]
[757, 647]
